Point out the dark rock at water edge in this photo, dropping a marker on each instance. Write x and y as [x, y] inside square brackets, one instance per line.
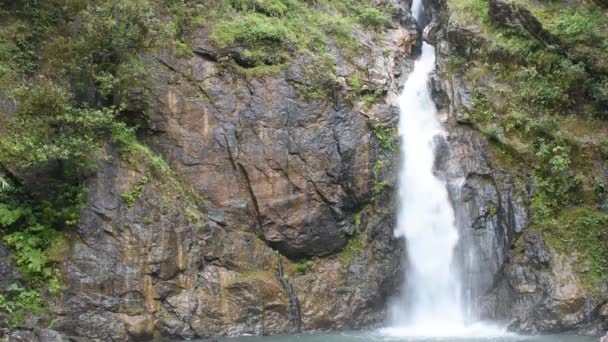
[43, 335]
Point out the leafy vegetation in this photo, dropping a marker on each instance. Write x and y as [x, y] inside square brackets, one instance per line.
[385, 134]
[131, 196]
[28, 227]
[585, 231]
[302, 266]
[71, 85]
[354, 247]
[274, 32]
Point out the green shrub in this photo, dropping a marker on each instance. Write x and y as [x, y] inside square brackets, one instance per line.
[47, 128]
[18, 303]
[580, 25]
[27, 231]
[320, 80]
[555, 184]
[373, 18]
[599, 188]
[250, 29]
[355, 246]
[493, 133]
[302, 266]
[269, 7]
[132, 196]
[384, 134]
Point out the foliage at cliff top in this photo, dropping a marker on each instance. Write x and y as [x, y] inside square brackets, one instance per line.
[272, 32]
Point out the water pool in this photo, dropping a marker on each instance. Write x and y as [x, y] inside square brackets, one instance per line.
[382, 337]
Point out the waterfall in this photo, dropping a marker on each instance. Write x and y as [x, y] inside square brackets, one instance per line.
[431, 302]
[431, 297]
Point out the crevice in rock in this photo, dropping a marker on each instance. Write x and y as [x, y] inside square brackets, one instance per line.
[205, 54]
[254, 199]
[294, 303]
[190, 80]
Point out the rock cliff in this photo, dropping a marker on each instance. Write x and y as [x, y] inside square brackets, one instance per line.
[512, 273]
[274, 213]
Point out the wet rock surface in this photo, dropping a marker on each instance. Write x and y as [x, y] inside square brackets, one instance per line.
[490, 207]
[8, 271]
[293, 170]
[538, 290]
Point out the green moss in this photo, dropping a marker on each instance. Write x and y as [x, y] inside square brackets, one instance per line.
[361, 91]
[273, 32]
[373, 18]
[544, 107]
[148, 219]
[384, 134]
[130, 197]
[302, 266]
[134, 151]
[251, 275]
[320, 75]
[250, 28]
[357, 219]
[468, 12]
[355, 246]
[582, 231]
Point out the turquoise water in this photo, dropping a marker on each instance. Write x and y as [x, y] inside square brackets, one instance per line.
[378, 337]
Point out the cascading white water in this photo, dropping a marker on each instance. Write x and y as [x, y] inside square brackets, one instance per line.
[431, 302]
[431, 299]
[425, 217]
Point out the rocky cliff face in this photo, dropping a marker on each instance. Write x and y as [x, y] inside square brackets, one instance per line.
[512, 274]
[540, 291]
[273, 215]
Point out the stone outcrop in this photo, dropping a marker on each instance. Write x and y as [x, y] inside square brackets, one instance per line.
[539, 291]
[43, 335]
[295, 170]
[8, 271]
[490, 207]
[511, 15]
